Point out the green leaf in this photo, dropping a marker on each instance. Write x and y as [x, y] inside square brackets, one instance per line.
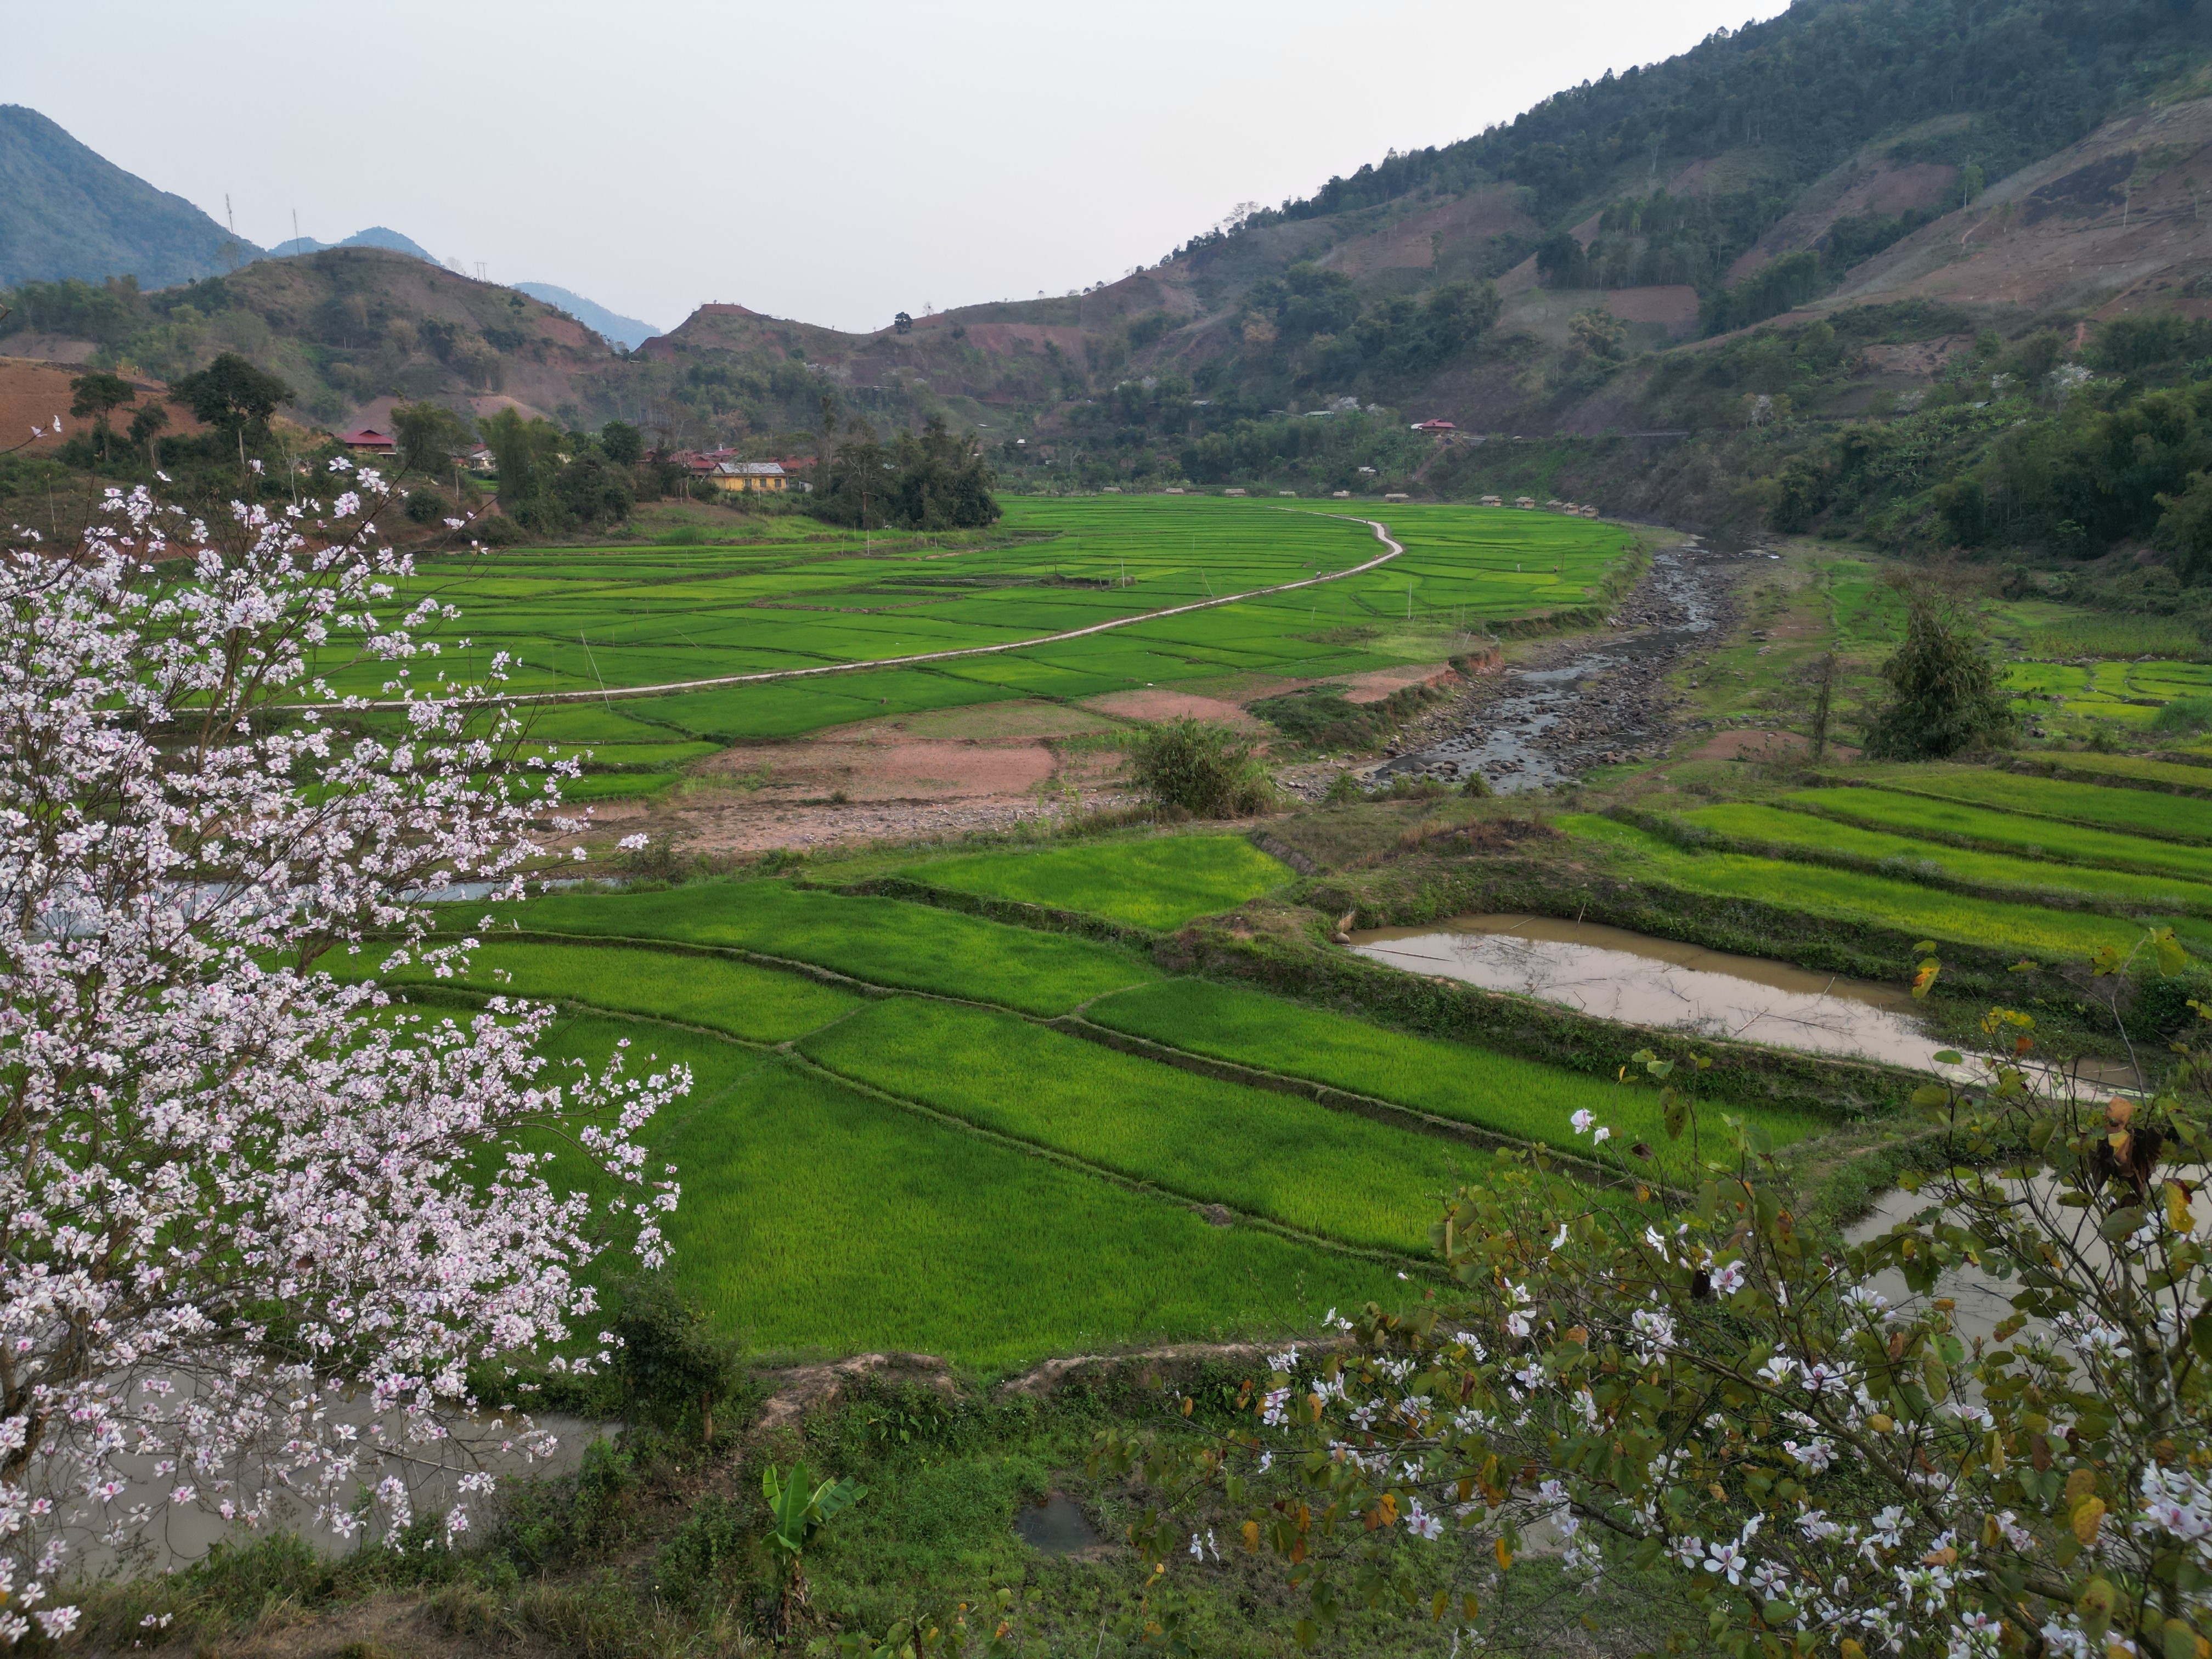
[2122, 1222]
[1676, 1112]
[1925, 948]
[2166, 950]
[1948, 1057]
[1930, 1095]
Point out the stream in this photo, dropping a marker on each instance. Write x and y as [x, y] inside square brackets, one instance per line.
[1585, 703]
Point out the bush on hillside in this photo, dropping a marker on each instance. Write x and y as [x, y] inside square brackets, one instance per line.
[1206, 770]
[1944, 689]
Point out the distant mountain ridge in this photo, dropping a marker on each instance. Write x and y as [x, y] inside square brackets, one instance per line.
[65, 210]
[628, 332]
[374, 236]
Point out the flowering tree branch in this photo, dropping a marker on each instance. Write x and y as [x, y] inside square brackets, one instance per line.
[256, 1226]
[1802, 1434]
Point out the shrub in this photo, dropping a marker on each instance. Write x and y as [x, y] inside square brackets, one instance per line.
[1207, 770]
[671, 1365]
[424, 506]
[2183, 714]
[1945, 693]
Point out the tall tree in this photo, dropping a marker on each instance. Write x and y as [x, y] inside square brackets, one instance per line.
[92, 395]
[233, 396]
[1944, 688]
[429, 435]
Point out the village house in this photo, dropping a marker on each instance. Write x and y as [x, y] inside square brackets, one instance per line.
[478, 459]
[370, 441]
[740, 476]
[1492, 501]
[1436, 427]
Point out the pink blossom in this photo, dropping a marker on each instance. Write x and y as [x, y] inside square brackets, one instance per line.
[201, 1120]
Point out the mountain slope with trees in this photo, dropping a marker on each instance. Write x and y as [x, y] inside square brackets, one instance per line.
[66, 211]
[1935, 183]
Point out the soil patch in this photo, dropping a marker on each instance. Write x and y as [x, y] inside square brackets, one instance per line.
[1757, 745]
[1151, 704]
[1377, 683]
[925, 768]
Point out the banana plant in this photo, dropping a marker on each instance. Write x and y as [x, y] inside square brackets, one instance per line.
[799, 1512]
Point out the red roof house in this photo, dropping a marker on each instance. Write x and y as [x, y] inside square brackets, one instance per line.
[370, 441]
[1434, 426]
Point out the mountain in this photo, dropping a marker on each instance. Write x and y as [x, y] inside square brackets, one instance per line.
[374, 236]
[628, 332]
[350, 330]
[65, 211]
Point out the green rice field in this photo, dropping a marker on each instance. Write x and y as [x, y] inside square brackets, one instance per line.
[2028, 877]
[818, 1219]
[600, 620]
[895, 1167]
[1277, 1156]
[1847, 894]
[1510, 1096]
[2131, 811]
[878, 941]
[2036, 838]
[2139, 770]
[1160, 883]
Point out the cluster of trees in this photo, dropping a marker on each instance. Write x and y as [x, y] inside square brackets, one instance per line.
[554, 481]
[1655, 238]
[1311, 322]
[1319, 452]
[932, 479]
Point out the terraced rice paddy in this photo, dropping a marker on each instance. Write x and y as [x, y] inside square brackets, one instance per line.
[898, 1161]
[1850, 896]
[1979, 826]
[1159, 883]
[1275, 1155]
[1802, 834]
[1511, 1097]
[2130, 812]
[880, 941]
[599, 622]
[817, 1218]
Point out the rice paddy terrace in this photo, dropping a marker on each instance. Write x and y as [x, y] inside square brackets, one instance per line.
[999, 1103]
[589, 633]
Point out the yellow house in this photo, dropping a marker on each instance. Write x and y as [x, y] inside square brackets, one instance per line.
[749, 475]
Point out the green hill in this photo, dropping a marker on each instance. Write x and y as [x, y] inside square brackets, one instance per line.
[65, 211]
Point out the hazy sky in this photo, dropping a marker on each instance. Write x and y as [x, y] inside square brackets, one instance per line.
[836, 160]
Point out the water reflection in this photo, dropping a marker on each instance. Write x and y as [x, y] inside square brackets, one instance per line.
[1616, 974]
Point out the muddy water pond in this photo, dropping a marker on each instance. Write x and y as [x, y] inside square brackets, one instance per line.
[1639, 980]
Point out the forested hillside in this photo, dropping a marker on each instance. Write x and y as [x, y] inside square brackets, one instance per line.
[66, 211]
[1798, 276]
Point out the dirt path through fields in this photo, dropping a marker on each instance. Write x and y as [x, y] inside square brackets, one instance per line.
[605, 692]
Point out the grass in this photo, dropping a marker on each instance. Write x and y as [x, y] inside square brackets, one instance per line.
[2127, 769]
[2131, 811]
[1793, 832]
[1513, 1096]
[755, 1005]
[877, 940]
[1847, 894]
[817, 1218]
[1271, 1155]
[1161, 883]
[2038, 838]
[2094, 636]
[613, 618]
